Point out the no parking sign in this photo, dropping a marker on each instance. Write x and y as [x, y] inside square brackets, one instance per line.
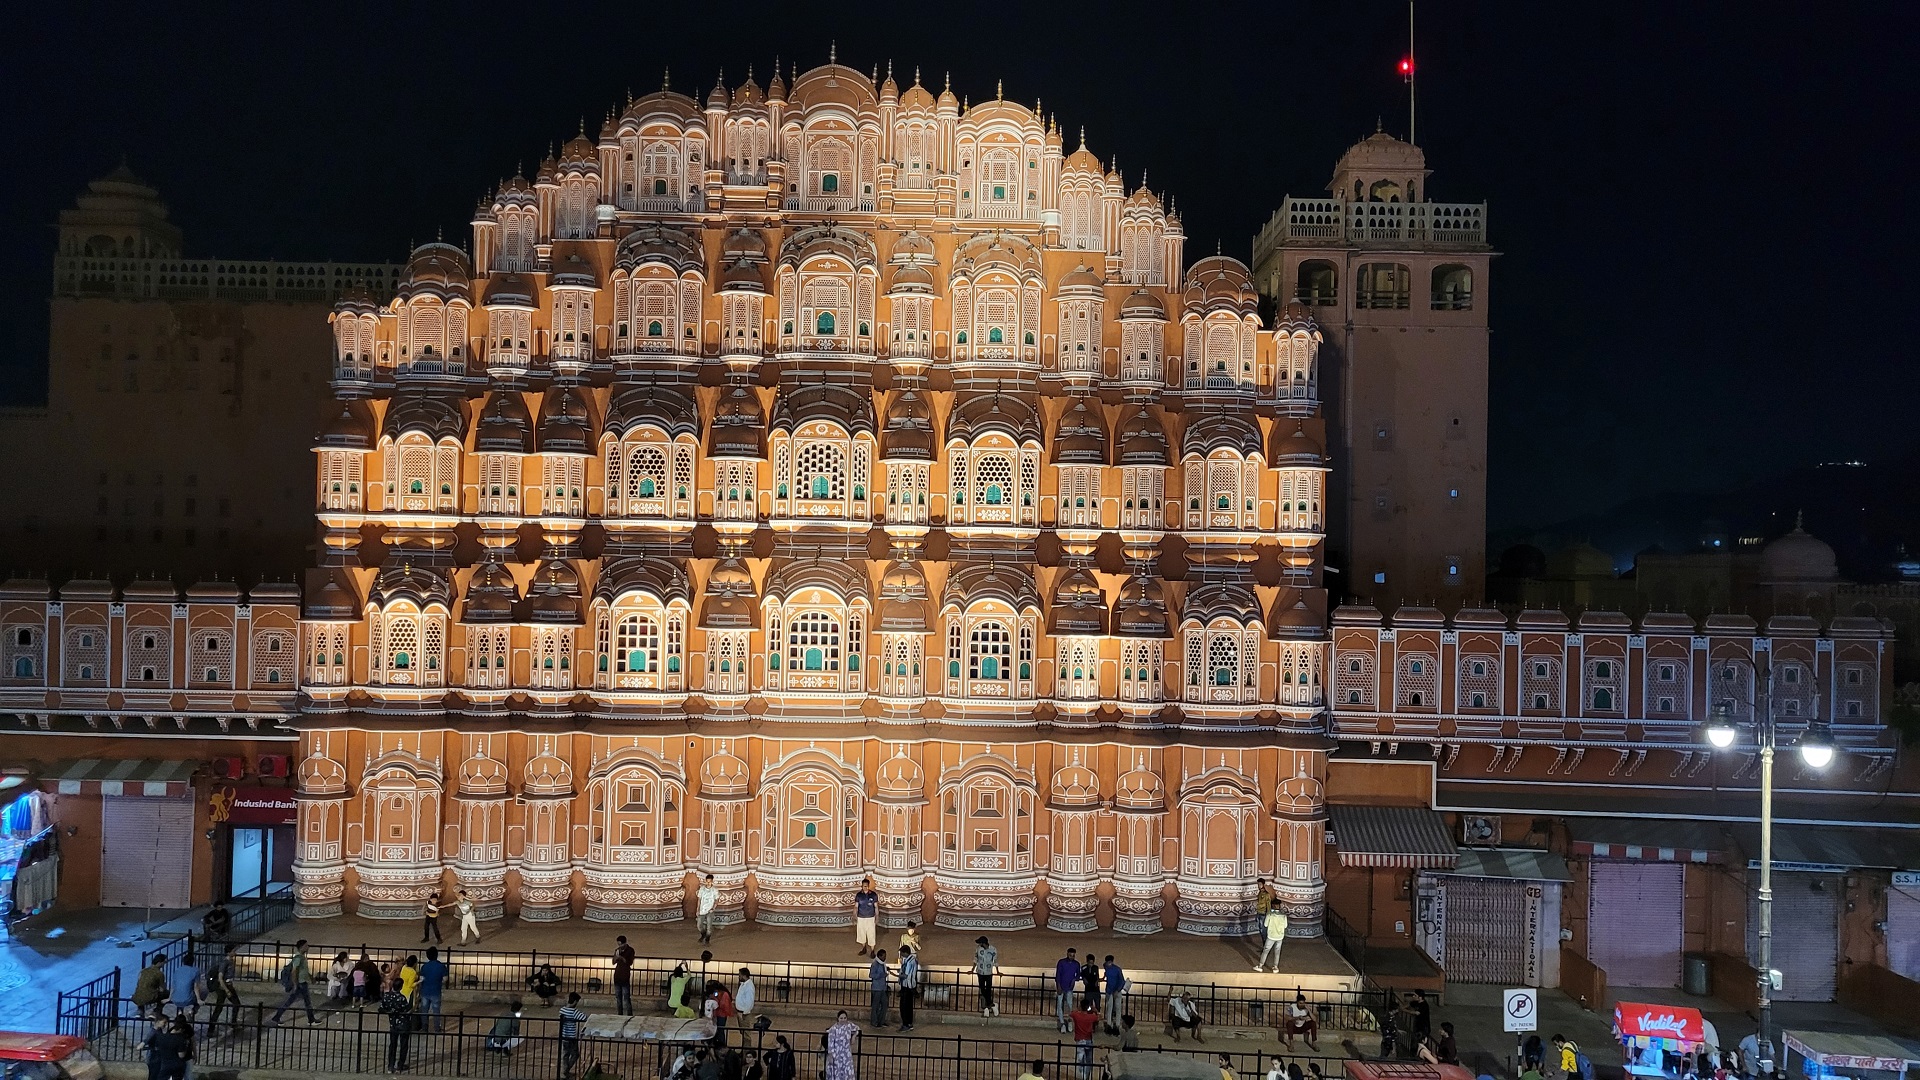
[1520, 1009]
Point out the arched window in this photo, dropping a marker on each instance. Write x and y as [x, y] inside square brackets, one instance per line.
[637, 645]
[824, 323]
[1452, 288]
[1603, 699]
[1318, 284]
[994, 336]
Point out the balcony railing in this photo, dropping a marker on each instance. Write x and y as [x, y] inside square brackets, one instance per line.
[1336, 221]
[196, 279]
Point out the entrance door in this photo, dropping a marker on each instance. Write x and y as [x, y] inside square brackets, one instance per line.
[250, 847]
[1486, 937]
[146, 852]
[1806, 933]
[1635, 921]
[1903, 926]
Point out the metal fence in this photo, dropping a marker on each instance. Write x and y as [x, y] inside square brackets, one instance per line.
[352, 1040]
[837, 985]
[89, 1010]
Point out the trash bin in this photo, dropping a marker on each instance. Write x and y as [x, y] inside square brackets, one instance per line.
[1698, 977]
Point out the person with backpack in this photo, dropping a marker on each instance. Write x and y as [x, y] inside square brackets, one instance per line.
[909, 985]
[222, 993]
[296, 978]
[1573, 1061]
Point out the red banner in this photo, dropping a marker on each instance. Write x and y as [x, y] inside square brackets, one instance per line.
[1660, 1022]
[253, 805]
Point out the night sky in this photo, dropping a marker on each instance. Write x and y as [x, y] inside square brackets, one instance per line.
[1705, 212]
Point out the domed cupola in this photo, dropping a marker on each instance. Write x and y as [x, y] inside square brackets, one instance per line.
[566, 426]
[1081, 437]
[1798, 558]
[739, 426]
[1140, 611]
[350, 429]
[908, 434]
[903, 600]
[505, 427]
[1140, 789]
[1075, 787]
[491, 594]
[554, 594]
[1079, 607]
[1144, 305]
[724, 776]
[433, 415]
[900, 780]
[731, 600]
[1143, 441]
[1295, 447]
[439, 270]
[422, 587]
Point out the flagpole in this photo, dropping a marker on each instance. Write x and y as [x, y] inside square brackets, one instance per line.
[1412, 73]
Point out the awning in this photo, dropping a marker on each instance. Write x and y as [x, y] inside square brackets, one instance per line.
[1833, 847]
[1648, 839]
[1407, 837]
[1517, 863]
[1632, 1020]
[1837, 1051]
[153, 777]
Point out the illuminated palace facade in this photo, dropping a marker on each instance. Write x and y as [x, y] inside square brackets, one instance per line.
[822, 480]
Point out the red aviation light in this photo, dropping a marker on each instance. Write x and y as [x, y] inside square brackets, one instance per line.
[1406, 67]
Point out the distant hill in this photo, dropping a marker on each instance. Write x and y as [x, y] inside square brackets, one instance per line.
[1868, 511]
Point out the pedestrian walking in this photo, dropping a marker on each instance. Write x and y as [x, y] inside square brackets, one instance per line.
[877, 983]
[1275, 925]
[708, 898]
[469, 924]
[399, 1025]
[909, 977]
[1083, 1020]
[1066, 976]
[1116, 995]
[430, 919]
[433, 979]
[744, 999]
[571, 1017]
[986, 964]
[866, 917]
[622, 976]
[842, 1044]
[296, 978]
[187, 989]
[222, 992]
[150, 989]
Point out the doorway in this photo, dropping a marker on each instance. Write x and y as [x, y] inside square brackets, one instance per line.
[261, 860]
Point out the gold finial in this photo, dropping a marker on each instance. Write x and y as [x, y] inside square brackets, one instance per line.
[666, 75]
[916, 74]
[997, 83]
[833, 52]
[1083, 136]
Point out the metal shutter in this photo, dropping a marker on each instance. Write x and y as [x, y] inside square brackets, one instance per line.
[1484, 942]
[1806, 933]
[1903, 930]
[146, 852]
[1635, 921]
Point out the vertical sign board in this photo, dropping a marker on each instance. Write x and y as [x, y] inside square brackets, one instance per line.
[1520, 1010]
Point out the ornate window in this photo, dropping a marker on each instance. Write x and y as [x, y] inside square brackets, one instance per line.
[1417, 682]
[273, 658]
[1353, 679]
[487, 657]
[85, 654]
[327, 654]
[1540, 684]
[1143, 492]
[210, 657]
[1222, 661]
[1480, 681]
[1140, 663]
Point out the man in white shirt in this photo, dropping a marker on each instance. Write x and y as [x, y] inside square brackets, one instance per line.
[743, 998]
[1183, 1014]
[709, 898]
[1276, 930]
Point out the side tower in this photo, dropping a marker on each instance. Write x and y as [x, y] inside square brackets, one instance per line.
[1400, 284]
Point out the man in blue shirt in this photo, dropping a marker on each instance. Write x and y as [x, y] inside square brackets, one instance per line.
[433, 976]
[1066, 975]
[866, 917]
[1116, 992]
[877, 981]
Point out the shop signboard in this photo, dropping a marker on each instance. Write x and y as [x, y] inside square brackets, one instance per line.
[252, 806]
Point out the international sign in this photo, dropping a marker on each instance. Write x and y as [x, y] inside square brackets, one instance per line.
[1520, 1009]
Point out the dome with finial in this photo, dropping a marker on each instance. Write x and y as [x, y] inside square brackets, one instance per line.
[418, 585]
[491, 594]
[731, 601]
[566, 426]
[1141, 304]
[900, 780]
[739, 430]
[1080, 438]
[1074, 787]
[907, 434]
[1140, 610]
[1140, 789]
[1079, 606]
[1798, 557]
[505, 426]
[903, 599]
[1295, 446]
[724, 776]
[554, 594]
[351, 427]
[1143, 441]
[437, 269]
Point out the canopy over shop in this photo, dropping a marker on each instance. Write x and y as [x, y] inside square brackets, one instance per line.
[1828, 1053]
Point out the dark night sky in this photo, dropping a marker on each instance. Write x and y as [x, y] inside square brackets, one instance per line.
[1705, 211]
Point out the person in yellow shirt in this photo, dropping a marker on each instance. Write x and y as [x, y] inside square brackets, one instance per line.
[409, 977]
[1035, 1071]
[910, 938]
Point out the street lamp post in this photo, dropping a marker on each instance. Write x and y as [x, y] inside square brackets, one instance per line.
[1816, 749]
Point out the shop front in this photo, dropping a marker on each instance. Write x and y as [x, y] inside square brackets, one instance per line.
[1636, 902]
[254, 830]
[1903, 924]
[1829, 1055]
[1495, 917]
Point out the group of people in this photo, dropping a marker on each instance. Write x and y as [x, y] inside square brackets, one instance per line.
[462, 906]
